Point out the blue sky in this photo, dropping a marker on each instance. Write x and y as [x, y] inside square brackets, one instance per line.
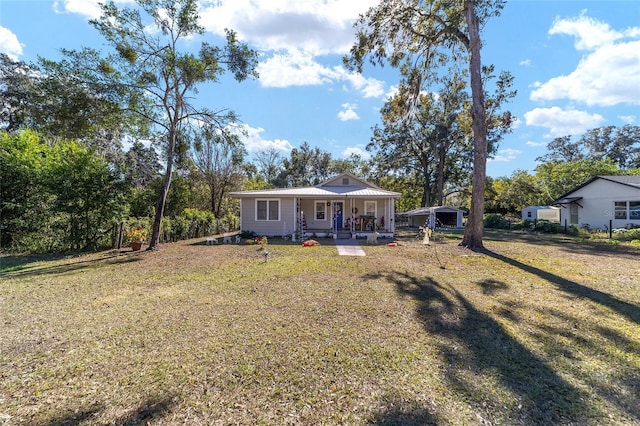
[576, 66]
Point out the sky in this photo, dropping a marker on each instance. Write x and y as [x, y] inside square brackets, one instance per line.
[576, 66]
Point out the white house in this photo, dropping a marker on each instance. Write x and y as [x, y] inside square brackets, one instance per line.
[550, 213]
[342, 207]
[602, 202]
[444, 216]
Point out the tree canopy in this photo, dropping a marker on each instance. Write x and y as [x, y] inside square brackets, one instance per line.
[418, 37]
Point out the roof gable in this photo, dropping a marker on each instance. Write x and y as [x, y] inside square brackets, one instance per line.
[632, 181]
[347, 180]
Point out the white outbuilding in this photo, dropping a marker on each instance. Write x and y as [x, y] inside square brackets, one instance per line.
[550, 213]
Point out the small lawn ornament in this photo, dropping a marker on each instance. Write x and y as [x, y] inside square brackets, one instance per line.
[427, 235]
[310, 243]
[373, 238]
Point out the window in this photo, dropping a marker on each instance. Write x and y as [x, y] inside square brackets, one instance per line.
[369, 208]
[345, 181]
[529, 213]
[620, 209]
[321, 210]
[627, 210]
[267, 209]
[634, 210]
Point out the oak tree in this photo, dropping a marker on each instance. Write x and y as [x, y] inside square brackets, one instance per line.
[421, 35]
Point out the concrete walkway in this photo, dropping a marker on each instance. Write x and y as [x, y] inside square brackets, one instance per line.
[349, 247]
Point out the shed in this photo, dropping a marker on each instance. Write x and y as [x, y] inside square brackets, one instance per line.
[445, 216]
[550, 213]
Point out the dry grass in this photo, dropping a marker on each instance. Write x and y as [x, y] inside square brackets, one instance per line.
[536, 330]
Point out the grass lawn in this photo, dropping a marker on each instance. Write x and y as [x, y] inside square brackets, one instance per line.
[537, 330]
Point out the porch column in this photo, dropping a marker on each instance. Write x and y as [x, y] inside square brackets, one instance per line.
[392, 216]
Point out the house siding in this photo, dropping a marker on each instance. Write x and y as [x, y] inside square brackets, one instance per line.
[597, 204]
[269, 228]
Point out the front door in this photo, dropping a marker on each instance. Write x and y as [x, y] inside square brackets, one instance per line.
[337, 214]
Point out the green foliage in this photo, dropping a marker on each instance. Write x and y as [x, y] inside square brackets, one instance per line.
[620, 145]
[87, 194]
[56, 197]
[626, 234]
[548, 227]
[496, 221]
[24, 204]
[558, 177]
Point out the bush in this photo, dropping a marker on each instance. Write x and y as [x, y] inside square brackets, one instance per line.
[621, 234]
[496, 221]
[548, 227]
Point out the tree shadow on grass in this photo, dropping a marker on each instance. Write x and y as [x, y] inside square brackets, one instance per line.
[71, 265]
[150, 410]
[478, 351]
[565, 243]
[628, 310]
[399, 414]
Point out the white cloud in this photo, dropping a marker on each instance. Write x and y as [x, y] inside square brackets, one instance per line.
[293, 68]
[348, 112]
[563, 122]
[609, 74]
[629, 119]
[88, 8]
[357, 150]
[316, 26]
[536, 144]
[526, 63]
[589, 33]
[253, 141]
[506, 155]
[9, 44]
[299, 68]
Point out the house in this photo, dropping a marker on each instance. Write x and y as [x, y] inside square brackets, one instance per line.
[342, 207]
[550, 213]
[603, 202]
[444, 216]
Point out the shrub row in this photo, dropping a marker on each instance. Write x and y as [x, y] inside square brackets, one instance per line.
[498, 221]
[192, 223]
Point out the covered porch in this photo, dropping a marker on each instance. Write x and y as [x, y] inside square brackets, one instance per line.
[346, 217]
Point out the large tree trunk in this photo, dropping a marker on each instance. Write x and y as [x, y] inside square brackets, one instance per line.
[162, 199]
[474, 228]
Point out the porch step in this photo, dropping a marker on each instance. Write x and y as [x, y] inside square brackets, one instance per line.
[344, 235]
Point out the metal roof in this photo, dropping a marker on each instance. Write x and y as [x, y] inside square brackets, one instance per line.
[318, 192]
[428, 210]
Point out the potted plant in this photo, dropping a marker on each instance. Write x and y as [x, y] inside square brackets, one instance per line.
[135, 237]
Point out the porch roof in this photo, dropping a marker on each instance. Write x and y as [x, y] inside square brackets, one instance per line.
[321, 192]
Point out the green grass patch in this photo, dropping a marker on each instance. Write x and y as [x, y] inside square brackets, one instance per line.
[537, 329]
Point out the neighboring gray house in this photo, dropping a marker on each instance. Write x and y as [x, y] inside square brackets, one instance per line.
[550, 213]
[444, 216]
[602, 202]
[342, 207]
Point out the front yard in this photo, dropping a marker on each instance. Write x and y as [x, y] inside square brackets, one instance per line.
[537, 330]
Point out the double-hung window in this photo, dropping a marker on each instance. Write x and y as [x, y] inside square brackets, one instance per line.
[370, 208]
[321, 210]
[620, 209]
[267, 209]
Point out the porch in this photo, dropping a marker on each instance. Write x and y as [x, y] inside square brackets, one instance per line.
[347, 218]
[343, 234]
